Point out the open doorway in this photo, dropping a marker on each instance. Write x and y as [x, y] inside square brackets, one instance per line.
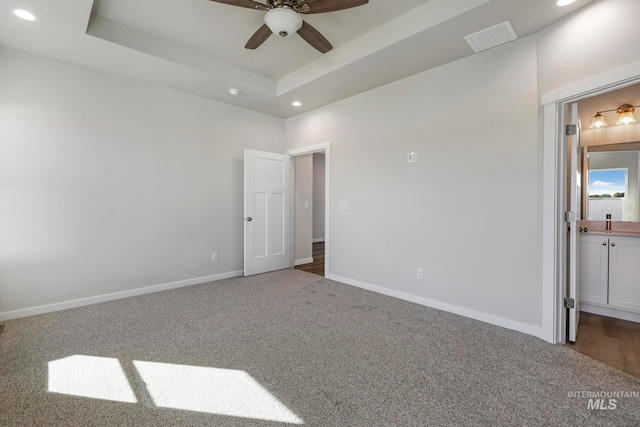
[554, 178]
[608, 267]
[309, 216]
[608, 299]
[310, 193]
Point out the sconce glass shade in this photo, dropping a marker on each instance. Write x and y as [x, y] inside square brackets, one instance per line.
[283, 21]
[598, 122]
[625, 113]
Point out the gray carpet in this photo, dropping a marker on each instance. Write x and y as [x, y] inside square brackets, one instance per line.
[330, 354]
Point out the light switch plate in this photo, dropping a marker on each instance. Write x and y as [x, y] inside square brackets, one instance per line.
[343, 206]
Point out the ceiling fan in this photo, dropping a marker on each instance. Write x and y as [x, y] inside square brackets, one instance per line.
[283, 18]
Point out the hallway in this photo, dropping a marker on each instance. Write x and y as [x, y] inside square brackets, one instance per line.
[317, 266]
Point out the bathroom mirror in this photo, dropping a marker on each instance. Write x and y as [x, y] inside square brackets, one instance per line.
[611, 182]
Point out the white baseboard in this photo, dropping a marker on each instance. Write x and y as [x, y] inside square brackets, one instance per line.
[42, 309]
[303, 261]
[472, 314]
[616, 313]
[318, 240]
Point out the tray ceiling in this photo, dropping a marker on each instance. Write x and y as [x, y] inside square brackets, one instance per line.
[197, 46]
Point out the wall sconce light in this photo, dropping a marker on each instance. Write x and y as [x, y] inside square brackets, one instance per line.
[598, 121]
[625, 116]
[625, 113]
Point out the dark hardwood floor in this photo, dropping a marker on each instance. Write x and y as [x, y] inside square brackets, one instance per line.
[612, 341]
[317, 266]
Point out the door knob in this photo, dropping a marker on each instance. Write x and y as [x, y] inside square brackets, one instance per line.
[249, 218]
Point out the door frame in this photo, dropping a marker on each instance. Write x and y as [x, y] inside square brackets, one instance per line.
[311, 149]
[572, 145]
[554, 188]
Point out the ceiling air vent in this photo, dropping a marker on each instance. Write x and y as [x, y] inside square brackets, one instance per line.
[491, 37]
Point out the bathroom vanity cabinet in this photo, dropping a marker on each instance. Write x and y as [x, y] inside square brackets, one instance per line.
[610, 274]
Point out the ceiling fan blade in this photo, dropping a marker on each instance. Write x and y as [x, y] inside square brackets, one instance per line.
[314, 38]
[258, 37]
[243, 3]
[321, 6]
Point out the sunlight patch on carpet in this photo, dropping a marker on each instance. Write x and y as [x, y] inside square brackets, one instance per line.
[216, 391]
[90, 376]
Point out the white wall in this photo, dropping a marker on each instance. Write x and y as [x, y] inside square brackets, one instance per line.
[468, 212]
[109, 184]
[318, 196]
[596, 39]
[303, 208]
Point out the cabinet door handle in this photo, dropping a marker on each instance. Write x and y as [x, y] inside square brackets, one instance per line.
[613, 243]
[604, 243]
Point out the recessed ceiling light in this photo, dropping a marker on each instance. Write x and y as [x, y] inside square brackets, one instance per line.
[296, 103]
[234, 92]
[24, 14]
[564, 2]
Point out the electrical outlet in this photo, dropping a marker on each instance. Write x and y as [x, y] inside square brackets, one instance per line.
[214, 257]
[419, 273]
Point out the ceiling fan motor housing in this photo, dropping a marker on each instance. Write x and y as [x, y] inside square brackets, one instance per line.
[293, 4]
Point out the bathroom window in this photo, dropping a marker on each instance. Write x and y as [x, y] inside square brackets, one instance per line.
[607, 194]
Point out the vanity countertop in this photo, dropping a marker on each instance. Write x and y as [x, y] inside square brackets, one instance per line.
[618, 233]
[629, 229]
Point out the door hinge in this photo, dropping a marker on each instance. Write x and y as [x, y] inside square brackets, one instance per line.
[569, 303]
[570, 216]
[570, 130]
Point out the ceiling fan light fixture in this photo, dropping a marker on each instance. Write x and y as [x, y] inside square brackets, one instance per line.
[283, 21]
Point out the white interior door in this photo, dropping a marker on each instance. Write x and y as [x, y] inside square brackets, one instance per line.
[267, 211]
[575, 200]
